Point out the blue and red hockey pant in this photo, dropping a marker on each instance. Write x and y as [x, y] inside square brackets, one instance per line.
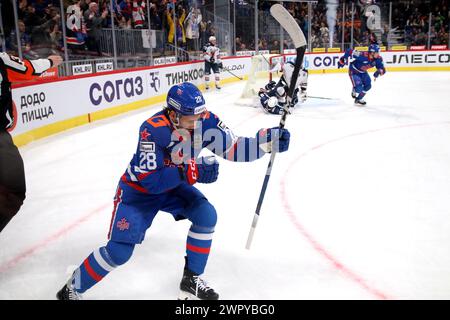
[133, 214]
[361, 83]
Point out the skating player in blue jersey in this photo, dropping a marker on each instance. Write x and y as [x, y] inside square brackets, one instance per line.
[161, 177]
[362, 61]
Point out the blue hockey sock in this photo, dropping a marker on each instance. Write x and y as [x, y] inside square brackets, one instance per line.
[361, 95]
[93, 269]
[99, 263]
[198, 245]
[204, 218]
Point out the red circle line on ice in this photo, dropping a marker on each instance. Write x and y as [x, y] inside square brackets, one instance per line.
[11, 263]
[319, 248]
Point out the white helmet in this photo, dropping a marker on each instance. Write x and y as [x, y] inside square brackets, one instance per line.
[212, 39]
[272, 102]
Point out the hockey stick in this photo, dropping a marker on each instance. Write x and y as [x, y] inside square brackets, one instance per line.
[324, 98]
[292, 28]
[226, 69]
[240, 78]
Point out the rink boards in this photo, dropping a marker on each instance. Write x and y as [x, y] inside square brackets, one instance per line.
[51, 106]
[432, 60]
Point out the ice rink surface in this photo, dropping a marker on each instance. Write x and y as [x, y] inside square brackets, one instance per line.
[359, 208]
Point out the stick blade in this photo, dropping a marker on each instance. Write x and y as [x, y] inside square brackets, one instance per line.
[289, 24]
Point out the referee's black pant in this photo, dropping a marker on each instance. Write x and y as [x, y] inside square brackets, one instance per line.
[12, 179]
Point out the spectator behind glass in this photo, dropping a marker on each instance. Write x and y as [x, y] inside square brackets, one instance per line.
[94, 22]
[25, 38]
[274, 47]
[138, 14]
[76, 30]
[181, 32]
[124, 23]
[22, 9]
[287, 44]
[56, 36]
[192, 29]
[202, 31]
[126, 9]
[40, 6]
[41, 39]
[238, 43]
[84, 5]
[31, 19]
[176, 29]
[210, 30]
[155, 18]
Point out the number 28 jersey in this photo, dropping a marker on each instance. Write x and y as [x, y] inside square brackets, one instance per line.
[162, 149]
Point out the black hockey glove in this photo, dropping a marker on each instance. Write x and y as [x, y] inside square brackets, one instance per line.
[270, 85]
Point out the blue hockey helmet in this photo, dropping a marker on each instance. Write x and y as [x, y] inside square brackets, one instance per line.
[374, 48]
[185, 99]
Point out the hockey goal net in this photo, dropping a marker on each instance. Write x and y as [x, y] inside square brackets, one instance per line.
[265, 68]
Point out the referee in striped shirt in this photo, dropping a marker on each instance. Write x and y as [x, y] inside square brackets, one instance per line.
[12, 175]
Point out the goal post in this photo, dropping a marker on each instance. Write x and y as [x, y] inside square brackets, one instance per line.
[265, 68]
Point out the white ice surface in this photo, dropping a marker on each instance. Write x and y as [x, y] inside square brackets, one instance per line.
[359, 208]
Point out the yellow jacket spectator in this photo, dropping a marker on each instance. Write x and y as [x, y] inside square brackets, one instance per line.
[180, 28]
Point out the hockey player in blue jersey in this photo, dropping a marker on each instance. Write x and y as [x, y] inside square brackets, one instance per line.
[273, 97]
[160, 177]
[358, 70]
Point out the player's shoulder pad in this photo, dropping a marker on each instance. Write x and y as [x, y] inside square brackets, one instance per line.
[210, 120]
[8, 59]
[156, 129]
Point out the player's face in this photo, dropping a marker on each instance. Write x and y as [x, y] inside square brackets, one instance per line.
[375, 55]
[189, 122]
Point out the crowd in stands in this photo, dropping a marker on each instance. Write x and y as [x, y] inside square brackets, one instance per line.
[40, 24]
[409, 17]
[183, 23]
[417, 23]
